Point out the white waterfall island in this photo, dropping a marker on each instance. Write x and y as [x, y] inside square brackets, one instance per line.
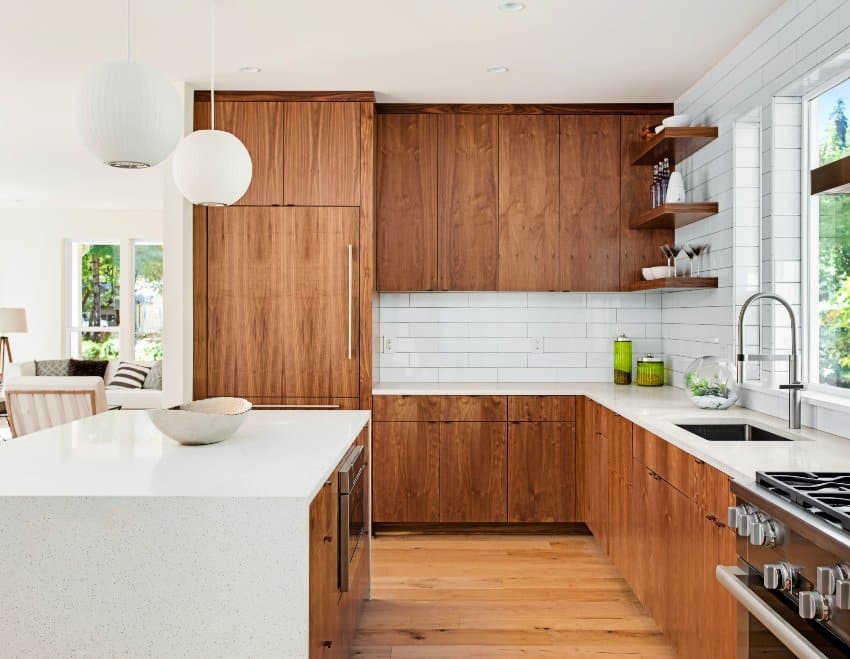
[117, 541]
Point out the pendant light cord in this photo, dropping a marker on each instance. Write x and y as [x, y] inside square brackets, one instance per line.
[212, 64]
[128, 30]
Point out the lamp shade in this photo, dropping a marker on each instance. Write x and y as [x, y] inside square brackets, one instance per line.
[13, 321]
[212, 168]
[129, 115]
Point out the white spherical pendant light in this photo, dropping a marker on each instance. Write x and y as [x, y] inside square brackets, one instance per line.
[129, 115]
[212, 168]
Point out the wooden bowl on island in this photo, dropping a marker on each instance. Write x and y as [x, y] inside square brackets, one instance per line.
[202, 422]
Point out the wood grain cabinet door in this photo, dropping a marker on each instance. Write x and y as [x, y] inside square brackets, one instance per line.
[278, 302]
[467, 176]
[320, 285]
[246, 301]
[528, 203]
[407, 202]
[321, 147]
[406, 471]
[259, 124]
[473, 472]
[324, 590]
[590, 203]
[541, 472]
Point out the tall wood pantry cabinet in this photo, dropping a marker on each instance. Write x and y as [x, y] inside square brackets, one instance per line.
[284, 278]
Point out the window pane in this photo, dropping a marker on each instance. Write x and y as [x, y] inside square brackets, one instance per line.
[829, 125]
[148, 302]
[98, 288]
[94, 345]
[830, 221]
[834, 289]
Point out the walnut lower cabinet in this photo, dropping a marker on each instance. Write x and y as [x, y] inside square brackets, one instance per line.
[662, 528]
[474, 459]
[333, 614]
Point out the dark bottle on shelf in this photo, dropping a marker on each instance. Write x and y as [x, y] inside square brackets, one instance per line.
[653, 188]
[665, 179]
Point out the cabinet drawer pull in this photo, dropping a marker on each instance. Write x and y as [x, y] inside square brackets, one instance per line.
[350, 261]
[328, 538]
[327, 644]
[294, 406]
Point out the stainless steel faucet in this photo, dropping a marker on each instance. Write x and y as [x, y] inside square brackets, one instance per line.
[794, 386]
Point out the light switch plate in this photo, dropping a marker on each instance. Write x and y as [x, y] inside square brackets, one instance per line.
[386, 345]
[538, 345]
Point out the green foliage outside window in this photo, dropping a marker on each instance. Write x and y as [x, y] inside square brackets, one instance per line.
[834, 260]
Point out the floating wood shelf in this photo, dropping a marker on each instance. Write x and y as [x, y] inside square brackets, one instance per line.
[674, 284]
[675, 144]
[833, 178]
[673, 216]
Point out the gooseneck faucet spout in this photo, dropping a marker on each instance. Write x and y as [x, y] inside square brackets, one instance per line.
[794, 386]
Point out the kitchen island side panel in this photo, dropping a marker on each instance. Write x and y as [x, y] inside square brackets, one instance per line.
[154, 576]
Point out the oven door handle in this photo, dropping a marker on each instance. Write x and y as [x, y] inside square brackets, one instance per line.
[785, 633]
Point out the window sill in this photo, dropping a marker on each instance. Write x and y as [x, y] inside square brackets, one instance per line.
[812, 397]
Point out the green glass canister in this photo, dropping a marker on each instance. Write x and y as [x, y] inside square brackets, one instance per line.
[650, 371]
[622, 360]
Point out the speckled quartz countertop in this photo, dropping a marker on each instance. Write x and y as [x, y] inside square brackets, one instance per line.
[285, 454]
[659, 409]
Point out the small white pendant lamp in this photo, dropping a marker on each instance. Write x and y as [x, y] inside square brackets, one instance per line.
[212, 167]
[128, 114]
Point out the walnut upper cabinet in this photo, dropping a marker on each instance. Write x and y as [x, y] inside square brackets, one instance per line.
[260, 127]
[467, 201]
[590, 203]
[321, 154]
[528, 202]
[407, 202]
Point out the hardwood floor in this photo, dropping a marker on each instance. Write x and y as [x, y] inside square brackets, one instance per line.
[439, 597]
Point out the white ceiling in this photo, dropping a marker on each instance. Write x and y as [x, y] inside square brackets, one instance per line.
[404, 50]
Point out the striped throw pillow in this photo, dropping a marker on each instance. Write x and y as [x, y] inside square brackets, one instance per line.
[129, 376]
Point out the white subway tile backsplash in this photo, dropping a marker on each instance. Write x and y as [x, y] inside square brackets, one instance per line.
[484, 336]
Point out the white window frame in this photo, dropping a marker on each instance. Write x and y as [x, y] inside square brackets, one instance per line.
[810, 362]
[126, 328]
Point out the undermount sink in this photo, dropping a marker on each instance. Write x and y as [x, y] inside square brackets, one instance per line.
[732, 432]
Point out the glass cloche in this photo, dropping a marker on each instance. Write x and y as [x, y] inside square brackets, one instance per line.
[710, 383]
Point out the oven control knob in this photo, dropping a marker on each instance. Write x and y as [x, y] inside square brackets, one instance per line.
[766, 534]
[734, 513]
[828, 576]
[813, 605]
[779, 576]
[842, 594]
[747, 522]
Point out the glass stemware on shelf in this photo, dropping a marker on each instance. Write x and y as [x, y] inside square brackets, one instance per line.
[667, 250]
[677, 251]
[699, 252]
[690, 253]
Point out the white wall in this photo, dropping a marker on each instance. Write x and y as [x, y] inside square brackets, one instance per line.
[512, 337]
[32, 264]
[798, 47]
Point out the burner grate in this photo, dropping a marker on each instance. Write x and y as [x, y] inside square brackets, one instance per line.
[825, 494]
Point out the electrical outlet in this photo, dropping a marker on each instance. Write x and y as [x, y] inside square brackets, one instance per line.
[538, 346]
[387, 345]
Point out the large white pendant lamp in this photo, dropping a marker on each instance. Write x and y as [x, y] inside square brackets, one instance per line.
[212, 167]
[128, 114]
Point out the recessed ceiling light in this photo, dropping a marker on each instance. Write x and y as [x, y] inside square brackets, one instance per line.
[497, 68]
[511, 6]
[250, 69]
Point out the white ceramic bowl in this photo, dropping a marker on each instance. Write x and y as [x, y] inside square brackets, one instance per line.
[203, 421]
[677, 121]
[657, 272]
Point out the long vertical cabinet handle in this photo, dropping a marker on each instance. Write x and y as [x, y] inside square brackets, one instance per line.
[350, 262]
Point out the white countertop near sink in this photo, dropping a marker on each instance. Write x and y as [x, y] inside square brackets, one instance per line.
[285, 454]
[659, 409]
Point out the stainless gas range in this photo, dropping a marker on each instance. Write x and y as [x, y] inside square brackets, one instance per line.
[792, 580]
